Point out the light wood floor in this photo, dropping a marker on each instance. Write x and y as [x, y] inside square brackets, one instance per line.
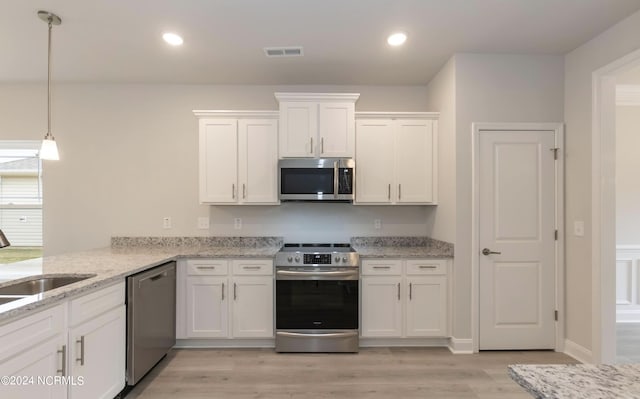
[628, 342]
[395, 373]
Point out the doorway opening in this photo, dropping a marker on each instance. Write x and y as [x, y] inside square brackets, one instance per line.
[21, 200]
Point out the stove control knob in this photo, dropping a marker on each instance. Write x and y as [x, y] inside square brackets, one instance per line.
[344, 259]
[289, 259]
[337, 259]
[297, 259]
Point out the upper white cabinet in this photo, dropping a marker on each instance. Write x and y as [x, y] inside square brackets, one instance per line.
[396, 158]
[317, 125]
[238, 157]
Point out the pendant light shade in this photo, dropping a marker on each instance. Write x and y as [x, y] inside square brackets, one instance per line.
[49, 149]
[3, 240]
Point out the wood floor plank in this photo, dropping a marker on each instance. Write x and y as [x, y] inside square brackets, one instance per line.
[373, 373]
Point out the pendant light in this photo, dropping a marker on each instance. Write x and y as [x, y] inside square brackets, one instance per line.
[49, 149]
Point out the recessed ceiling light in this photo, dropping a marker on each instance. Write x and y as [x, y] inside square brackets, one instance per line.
[397, 39]
[172, 39]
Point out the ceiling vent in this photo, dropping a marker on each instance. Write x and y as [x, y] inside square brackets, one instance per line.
[283, 51]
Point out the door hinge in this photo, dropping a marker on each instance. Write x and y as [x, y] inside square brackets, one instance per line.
[555, 315]
[555, 235]
[555, 152]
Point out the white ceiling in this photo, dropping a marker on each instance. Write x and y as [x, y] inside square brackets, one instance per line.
[344, 40]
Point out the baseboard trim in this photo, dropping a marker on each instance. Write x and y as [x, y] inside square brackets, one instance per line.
[628, 316]
[225, 343]
[460, 346]
[396, 342]
[578, 352]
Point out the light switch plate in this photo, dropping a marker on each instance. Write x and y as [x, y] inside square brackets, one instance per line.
[377, 224]
[203, 222]
[578, 228]
[166, 222]
[237, 223]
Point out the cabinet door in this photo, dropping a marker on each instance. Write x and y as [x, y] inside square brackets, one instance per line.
[252, 307]
[97, 353]
[374, 161]
[258, 161]
[218, 161]
[43, 360]
[426, 314]
[414, 161]
[298, 129]
[381, 307]
[207, 307]
[336, 130]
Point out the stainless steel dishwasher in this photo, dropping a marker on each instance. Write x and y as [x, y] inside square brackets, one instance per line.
[151, 318]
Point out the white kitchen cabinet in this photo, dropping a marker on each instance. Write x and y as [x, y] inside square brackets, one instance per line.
[396, 160]
[317, 125]
[226, 299]
[32, 347]
[404, 298]
[97, 343]
[97, 353]
[238, 158]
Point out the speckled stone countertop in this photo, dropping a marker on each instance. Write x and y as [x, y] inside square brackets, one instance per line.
[401, 247]
[111, 265]
[579, 381]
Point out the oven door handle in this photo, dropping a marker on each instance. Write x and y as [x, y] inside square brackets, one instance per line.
[346, 273]
[321, 335]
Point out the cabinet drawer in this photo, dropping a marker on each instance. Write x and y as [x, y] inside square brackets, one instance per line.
[260, 267]
[91, 305]
[385, 267]
[20, 335]
[426, 266]
[207, 267]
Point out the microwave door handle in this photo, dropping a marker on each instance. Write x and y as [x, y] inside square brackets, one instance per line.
[336, 172]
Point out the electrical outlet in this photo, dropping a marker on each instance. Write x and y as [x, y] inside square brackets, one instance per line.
[578, 228]
[237, 223]
[166, 222]
[203, 222]
[377, 224]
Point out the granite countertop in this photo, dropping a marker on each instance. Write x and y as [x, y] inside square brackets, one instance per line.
[401, 247]
[111, 265]
[579, 381]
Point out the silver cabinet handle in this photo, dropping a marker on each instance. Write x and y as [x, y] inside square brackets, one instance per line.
[398, 291]
[223, 291]
[321, 335]
[399, 191]
[382, 267]
[233, 191]
[63, 369]
[81, 358]
[487, 251]
[235, 291]
[336, 185]
[311, 145]
[321, 145]
[251, 267]
[427, 267]
[410, 290]
[205, 267]
[389, 192]
[244, 191]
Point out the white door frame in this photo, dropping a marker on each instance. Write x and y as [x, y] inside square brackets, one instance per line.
[603, 208]
[476, 129]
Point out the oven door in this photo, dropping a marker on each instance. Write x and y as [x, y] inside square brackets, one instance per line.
[316, 304]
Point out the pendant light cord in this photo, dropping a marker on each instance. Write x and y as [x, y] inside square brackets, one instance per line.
[49, 82]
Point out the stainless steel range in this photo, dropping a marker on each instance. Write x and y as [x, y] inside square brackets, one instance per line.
[317, 298]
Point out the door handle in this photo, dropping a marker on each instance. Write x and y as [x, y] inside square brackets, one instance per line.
[235, 291]
[311, 145]
[222, 291]
[389, 192]
[410, 291]
[321, 145]
[487, 251]
[399, 192]
[244, 191]
[233, 191]
[81, 358]
[63, 369]
[398, 291]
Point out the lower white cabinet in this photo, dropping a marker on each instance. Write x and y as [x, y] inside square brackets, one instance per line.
[81, 342]
[404, 298]
[226, 299]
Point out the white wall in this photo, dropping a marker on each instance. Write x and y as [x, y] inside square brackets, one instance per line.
[129, 158]
[494, 88]
[617, 41]
[627, 168]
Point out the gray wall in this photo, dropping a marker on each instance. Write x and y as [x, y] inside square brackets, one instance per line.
[129, 158]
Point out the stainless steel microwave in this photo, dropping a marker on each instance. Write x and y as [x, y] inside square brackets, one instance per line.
[326, 179]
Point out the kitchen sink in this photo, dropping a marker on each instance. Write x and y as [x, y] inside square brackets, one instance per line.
[4, 300]
[38, 285]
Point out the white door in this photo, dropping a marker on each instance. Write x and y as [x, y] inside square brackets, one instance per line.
[414, 161]
[375, 157]
[258, 161]
[381, 306]
[298, 129]
[207, 307]
[517, 235]
[97, 351]
[253, 307]
[218, 160]
[336, 130]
